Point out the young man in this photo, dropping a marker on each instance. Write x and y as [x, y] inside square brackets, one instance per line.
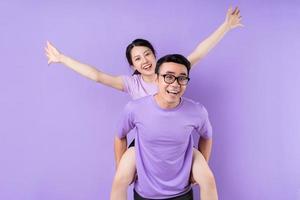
[163, 124]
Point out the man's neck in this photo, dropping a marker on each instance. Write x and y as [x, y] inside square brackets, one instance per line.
[162, 103]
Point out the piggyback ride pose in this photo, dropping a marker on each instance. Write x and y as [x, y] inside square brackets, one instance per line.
[141, 56]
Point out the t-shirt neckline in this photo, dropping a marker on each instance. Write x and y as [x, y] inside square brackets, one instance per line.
[166, 109]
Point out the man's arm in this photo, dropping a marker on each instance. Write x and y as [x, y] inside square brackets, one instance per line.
[204, 147]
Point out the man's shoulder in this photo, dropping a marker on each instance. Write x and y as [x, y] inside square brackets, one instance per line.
[194, 104]
[191, 102]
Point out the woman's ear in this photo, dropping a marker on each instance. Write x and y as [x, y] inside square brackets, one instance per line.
[132, 67]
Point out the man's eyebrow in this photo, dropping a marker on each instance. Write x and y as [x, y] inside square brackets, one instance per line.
[170, 72]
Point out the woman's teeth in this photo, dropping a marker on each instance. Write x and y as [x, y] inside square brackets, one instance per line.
[147, 67]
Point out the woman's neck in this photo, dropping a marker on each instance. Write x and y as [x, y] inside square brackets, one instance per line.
[149, 78]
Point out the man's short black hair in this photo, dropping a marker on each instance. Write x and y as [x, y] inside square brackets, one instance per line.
[175, 58]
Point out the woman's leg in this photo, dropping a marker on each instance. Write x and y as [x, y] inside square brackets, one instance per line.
[202, 175]
[124, 176]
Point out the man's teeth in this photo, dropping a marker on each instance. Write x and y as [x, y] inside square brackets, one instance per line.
[172, 92]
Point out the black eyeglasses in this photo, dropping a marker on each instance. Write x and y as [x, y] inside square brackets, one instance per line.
[181, 80]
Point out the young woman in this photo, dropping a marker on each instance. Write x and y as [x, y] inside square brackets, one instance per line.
[141, 56]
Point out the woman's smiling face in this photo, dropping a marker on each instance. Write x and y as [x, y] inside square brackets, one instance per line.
[143, 60]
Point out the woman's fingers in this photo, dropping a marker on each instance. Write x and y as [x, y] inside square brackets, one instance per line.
[234, 11]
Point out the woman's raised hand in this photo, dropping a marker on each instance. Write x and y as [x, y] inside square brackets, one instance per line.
[233, 18]
[52, 53]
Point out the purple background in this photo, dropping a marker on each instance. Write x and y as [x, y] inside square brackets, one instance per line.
[57, 128]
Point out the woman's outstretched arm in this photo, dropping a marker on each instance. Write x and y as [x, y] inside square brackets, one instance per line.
[54, 56]
[232, 20]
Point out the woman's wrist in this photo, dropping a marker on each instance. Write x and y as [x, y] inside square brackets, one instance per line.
[62, 58]
[226, 26]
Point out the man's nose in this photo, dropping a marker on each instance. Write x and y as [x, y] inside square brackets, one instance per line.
[175, 83]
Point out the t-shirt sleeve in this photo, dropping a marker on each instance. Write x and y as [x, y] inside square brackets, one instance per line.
[204, 129]
[128, 82]
[126, 122]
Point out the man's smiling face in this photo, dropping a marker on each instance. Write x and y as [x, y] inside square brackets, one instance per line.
[171, 92]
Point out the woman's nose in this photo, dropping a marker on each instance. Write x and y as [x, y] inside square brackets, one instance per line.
[144, 59]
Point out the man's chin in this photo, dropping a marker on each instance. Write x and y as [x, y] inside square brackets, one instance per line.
[171, 100]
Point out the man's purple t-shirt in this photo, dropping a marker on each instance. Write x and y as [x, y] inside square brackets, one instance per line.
[136, 87]
[164, 144]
